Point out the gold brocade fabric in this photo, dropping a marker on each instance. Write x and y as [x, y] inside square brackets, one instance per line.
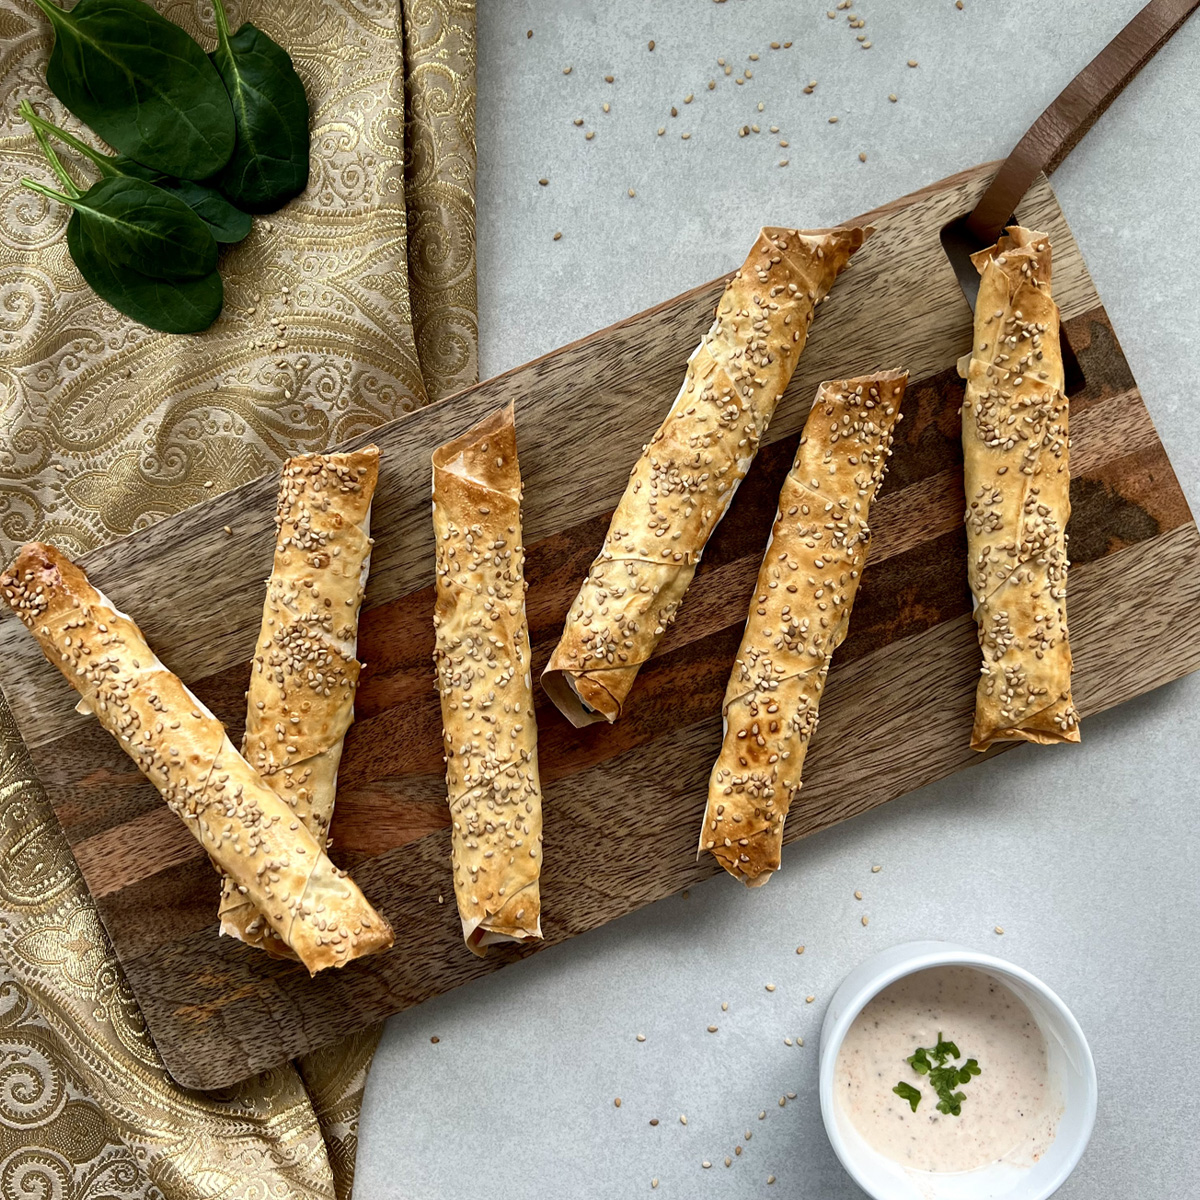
[351, 306]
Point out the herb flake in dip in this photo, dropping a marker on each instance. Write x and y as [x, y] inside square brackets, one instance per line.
[1011, 1111]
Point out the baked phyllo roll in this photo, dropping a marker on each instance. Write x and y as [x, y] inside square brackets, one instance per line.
[799, 616]
[688, 472]
[305, 671]
[250, 834]
[1018, 488]
[483, 676]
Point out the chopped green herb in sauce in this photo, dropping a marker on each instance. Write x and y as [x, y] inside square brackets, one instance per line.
[944, 1079]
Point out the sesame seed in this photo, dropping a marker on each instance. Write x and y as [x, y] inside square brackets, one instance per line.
[770, 1178]
[858, 895]
[608, 79]
[558, 235]
[774, 45]
[654, 1182]
[208, 483]
[782, 1102]
[591, 133]
[435, 1040]
[760, 106]
[783, 162]
[651, 45]
[893, 97]
[685, 136]
[566, 70]
[689, 98]
[876, 869]
[791, 1095]
[682, 1120]
[724, 1005]
[999, 929]
[661, 130]
[706, 1164]
[653, 1120]
[712, 1029]
[754, 58]
[728, 1161]
[641, 1037]
[770, 987]
[762, 1116]
[809, 999]
[799, 949]
[228, 529]
[787, 45]
[617, 1102]
[606, 106]
[712, 83]
[865, 921]
[912, 62]
[958, 4]
[833, 120]
[544, 182]
[787, 1041]
[674, 111]
[529, 33]
[799, 1041]
[578, 121]
[632, 193]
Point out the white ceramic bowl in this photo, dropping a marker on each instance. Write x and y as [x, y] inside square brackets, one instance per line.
[1069, 1061]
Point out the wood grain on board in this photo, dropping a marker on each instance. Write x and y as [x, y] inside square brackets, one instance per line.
[896, 714]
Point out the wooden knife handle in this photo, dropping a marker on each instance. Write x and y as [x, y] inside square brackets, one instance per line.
[1057, 131]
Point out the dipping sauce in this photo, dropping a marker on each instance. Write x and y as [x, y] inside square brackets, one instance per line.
[1010, 1111]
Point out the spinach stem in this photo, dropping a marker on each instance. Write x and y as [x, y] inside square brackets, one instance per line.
[222, 22]
[44, 126]
[51, 157]
[42, 189]
[55, 13]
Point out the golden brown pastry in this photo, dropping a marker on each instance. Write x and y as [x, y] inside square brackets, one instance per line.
[250, 834]
[799, 616]
[483, 675]
[305, 670]
[687, 475]
[1018, 488]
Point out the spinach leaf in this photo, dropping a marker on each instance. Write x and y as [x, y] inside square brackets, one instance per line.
[135, 224]
[183, 306]
[226, 223]
[270, 160]
[142, 84]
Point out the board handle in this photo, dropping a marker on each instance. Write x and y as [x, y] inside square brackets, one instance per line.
[1078, 106]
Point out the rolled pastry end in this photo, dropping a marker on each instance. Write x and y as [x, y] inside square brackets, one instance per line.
[520, 920]
[580, 698]
[1056, 724]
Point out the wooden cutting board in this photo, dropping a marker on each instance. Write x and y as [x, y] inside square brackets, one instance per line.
[623, 804]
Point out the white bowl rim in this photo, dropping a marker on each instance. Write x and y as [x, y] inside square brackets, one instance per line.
[921, 956]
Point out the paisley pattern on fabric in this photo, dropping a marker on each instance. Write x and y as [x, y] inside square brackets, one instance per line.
[351, 306]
